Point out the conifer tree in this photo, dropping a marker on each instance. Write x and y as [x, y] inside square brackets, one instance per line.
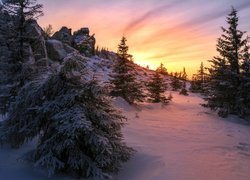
[162, 69]
[183, 90]
[23, 10]
[123, 78]
[244, 88]
[225, 69]
[246, 61]
[79, 132]
[156, 88]
[199, 80]
[183, 75]
[175, 82]
[16, 69]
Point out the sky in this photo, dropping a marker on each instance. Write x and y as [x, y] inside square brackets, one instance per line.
[177, 33]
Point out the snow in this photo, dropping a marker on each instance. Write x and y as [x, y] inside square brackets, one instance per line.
[179, 141]
[185, 141]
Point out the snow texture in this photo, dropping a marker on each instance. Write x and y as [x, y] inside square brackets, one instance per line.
[185, 141]
[179, 141]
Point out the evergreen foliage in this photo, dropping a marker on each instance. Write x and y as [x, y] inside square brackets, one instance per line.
[48, 30]
[175, 82]
[183, 90]
[228, 84]
[199, 80]
[162, 69]
[157, 88]
[183, 74]
[123, 78]
[23, 10]
[79, 131]
[16, 68]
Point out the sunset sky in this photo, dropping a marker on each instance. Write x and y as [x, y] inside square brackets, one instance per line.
[177, 33]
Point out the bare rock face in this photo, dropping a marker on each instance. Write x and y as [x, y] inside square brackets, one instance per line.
[64, 35]
[36, 39]
[83, 42]
[57, 50]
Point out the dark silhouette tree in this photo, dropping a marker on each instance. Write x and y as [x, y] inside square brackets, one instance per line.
[16, 69]
[162, 69]
[199, 80]
[223, 88]
[175, 82]
[23, 10]
[184, 90]
[157, 88]
[123, 78]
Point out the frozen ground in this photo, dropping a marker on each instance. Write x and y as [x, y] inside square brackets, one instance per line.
[181, 141]
[184, 141]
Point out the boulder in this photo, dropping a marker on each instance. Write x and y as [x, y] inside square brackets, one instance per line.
[64, 35]
[83, 42]
[57, 50]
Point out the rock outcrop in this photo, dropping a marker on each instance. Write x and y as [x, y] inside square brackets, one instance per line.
[83, 42]
[64, 35]
[57, 50]
[36, 40]
[80, 40]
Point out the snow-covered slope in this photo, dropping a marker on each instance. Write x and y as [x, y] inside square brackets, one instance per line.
[184, 141]
[102, 68]
[181, 141]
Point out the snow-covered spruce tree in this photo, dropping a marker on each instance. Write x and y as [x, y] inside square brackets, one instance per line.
[225, 69]
[79, 131]
[156, 88]
[123, 78]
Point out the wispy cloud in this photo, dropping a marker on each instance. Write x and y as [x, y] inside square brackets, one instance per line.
[149, 14]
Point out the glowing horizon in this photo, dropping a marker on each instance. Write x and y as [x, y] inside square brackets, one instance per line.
[176, 33]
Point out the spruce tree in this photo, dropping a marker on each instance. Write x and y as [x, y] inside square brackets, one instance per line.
[162, 69]
[244, 93]
[183, 90]
[183, 75]
[225, 69]
[199, 80]
[245, 66]
[78, 131]
[123, 78]
[175, 82]
[23, 10]
[16, 68]
[157, 88]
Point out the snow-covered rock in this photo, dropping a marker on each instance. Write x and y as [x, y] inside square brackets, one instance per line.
[64, 35]
[57, 50]
[83, 42]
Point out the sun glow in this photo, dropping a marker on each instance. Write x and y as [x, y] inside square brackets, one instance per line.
[175, 33]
